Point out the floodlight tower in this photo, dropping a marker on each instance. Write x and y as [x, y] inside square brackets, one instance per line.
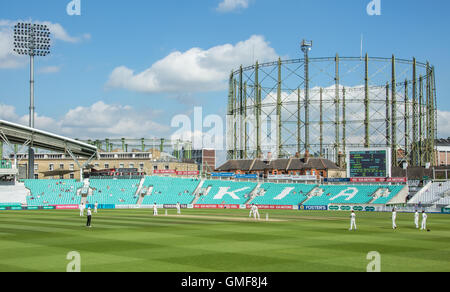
[306, 47]
[31, 40]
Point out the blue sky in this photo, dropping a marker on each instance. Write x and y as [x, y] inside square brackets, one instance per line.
[91, 85]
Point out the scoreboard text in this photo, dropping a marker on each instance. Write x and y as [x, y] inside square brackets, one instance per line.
[368, 163]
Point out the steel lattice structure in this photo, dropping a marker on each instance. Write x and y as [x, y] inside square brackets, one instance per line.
[180, 149]
[328, 105]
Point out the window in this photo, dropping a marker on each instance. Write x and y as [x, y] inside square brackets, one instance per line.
[141, 166]
[36, 167]
[122, 165]
[167, 167]
[72, 176]
[155, 167]
[36, 176]
[61, 166]
[71, 167]
[51, 167]
[97, 165]
[131, 165]
[106, 165]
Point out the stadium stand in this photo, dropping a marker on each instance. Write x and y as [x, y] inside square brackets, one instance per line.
[10, 204]
[113, 191]
[342, 194]
[283, 194]
[52, 192]
[392, 192]
[169, 190]
[226, 192]
[13, 193]
[4, 164]
[431, 193]
[444, 201]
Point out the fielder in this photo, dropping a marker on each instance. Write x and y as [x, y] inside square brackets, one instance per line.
[255, 211]
[416, 219]
[95, 207]
[81, 207]
[394, 217]
[178, 208]
[155, 210]
[424, 221]
[352, 221]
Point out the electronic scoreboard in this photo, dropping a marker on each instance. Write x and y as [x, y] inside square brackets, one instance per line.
[369, 162]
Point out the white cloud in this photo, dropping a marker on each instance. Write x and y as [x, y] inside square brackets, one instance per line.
[97, 121]
[443, 122]
[8, 113]
[8, 59]
[232, 5]
[195, 70]
[50, 69]
[59, 33]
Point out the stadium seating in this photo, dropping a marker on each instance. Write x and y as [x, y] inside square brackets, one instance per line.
[393, 190]
[5, 164]
[443, 202]
[53, 192]
[227, 192]
[283, 194]
[431, 194]
[10, 204]
[169, 190]
[113, 191]
[343, 194]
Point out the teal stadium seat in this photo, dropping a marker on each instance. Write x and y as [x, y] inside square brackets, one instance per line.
[361, 195]
[113, 191]
[169, 190]
[227, 192]
[283, 194]
[394, 190]
[53, 192]
[5, 164]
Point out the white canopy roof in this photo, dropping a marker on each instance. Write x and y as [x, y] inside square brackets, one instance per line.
[18, 134]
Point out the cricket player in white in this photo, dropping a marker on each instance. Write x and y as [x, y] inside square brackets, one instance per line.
[424, 221]
[251, 211]
[81, 210]
[255, 211]
[155, 210]
[394, 217]
[95, 207]
[178, 208]
[416, 219]
[352, 220]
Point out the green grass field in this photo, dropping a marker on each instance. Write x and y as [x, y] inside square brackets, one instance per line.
[220, 240]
